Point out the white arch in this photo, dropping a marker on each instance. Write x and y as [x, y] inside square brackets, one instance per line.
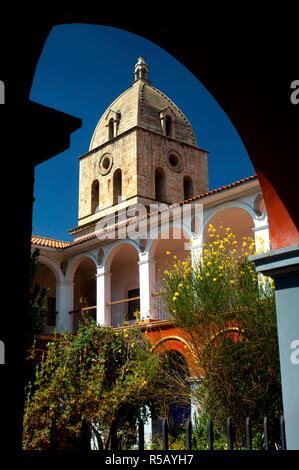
[55, 268]
[163, 228]
[230, 205]
[71, 269]
[116, 246]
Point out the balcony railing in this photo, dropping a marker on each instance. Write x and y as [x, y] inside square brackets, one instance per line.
[125, 311]
[76, 317]
[161, 312]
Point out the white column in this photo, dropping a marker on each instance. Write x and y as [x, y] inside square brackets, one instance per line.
[196, 250]
[64, 305]
[147, 282]
[262, 241]
[148, 432]
[261, 235]
[103, 296]
[194, 385]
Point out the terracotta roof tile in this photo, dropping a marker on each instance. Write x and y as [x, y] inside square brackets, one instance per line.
[43, 241]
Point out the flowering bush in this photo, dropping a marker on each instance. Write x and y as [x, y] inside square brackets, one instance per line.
[228, 312]
[101, 375]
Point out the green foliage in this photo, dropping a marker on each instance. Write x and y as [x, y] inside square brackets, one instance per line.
[102, 375]
[228, 313]
[37, 297]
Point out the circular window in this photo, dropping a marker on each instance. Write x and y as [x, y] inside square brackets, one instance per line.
[173, 160]
[105, 164]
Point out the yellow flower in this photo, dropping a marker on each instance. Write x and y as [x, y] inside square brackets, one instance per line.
[244, 244]
[207, 274]
[174, 311]
[175, 257]
[126, 335]
[180, 285]
[177, 294]
[214, 279]
[132, 345]
[116, 334]
[221, 247]
[209, 263]
[174, 299]
[231, 281]
[220, 267]
[119, 350]
[168, 252]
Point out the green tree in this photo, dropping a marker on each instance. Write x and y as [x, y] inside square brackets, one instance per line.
[228, 313]
[102, 376]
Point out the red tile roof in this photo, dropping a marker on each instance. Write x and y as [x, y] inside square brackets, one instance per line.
[42, 241]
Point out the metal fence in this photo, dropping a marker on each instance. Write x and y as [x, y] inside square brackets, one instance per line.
[85, 441]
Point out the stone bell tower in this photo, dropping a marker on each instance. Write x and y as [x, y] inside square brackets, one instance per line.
[143, 150]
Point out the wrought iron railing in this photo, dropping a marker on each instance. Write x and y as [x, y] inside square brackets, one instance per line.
[125, 311]
[161, 312]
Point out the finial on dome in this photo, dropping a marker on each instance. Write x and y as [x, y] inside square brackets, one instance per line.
[141, 70]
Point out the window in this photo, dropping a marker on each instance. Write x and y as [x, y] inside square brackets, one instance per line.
[95, 196]
[160, 188]
[168, 126]
[188, 187]
[117, 186]
[111, 129]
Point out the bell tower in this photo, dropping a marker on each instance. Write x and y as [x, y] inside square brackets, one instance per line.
[144, 151]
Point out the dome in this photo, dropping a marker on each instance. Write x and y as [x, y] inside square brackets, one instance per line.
[144, 106]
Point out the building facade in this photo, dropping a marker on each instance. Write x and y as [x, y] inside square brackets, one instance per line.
[143, 193]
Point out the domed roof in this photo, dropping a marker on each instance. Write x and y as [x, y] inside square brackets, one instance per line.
[144, 106]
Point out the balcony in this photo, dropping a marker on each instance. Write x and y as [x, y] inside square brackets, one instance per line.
[125, 311]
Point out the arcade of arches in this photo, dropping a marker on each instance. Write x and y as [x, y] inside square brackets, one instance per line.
[120, 281]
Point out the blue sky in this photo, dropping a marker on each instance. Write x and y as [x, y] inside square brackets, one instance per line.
[81, 71]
